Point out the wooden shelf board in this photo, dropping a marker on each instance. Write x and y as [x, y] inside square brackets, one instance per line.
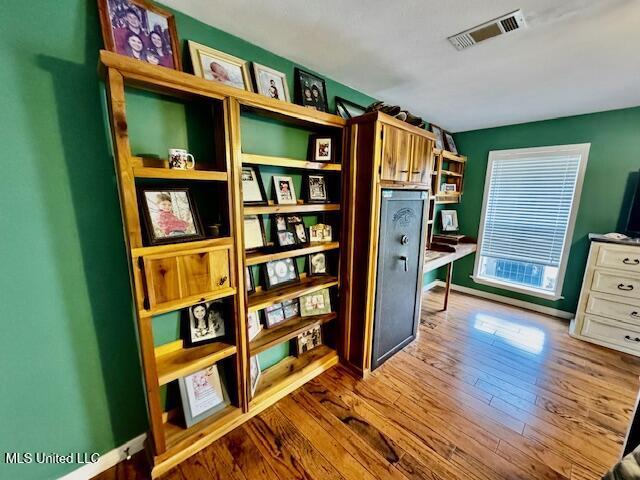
[453, 157]
[449, 173]
[181, 247]
[263, 299]
[299, 208]
[289, 374]
[175, 174]
[289, 162]
[287, 330]
[178, 363]
[255, 258]
[187, 301]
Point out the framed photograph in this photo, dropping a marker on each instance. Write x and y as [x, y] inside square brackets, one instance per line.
[316, 188]
[451, 145]
[347, 109]
[254, 373]
[448, 188]
[271, 83]
[273, 315]
[253, 232]
[203, 323]
[170, 215]
[140, 30]
[295, 224]
[311, 90]
[203, 393]
[252, 187]
[317, 264]
[449, 220]
[218, 66]
[291, 308]
[308, 340]
[255, 327]
[438, 132]
[286, 238]
[280, 223]
[285, 192]
[280, 272]
[316, 303]
[321, 148]
[248, 279]
[320, 233]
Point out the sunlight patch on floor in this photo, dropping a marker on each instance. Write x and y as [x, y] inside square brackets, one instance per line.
[523, 337]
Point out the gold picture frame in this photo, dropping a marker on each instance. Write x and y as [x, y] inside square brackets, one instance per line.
[228, 70]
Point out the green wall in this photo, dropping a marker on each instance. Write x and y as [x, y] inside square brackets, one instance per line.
[69, 355]
[611, 174]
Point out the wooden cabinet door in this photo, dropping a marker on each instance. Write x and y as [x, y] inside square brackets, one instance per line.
[396, 154]
[421, 160]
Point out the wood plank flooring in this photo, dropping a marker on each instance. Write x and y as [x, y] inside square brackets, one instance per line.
[488, 392]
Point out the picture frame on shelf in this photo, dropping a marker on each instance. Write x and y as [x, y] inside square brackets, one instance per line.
[318, 264]
[254, 236]
[296, 225]
[291, 308]
[450, 143]
[438, 132]
[285, 192]
[203, 394]
[254, 325]
[321, 148]
[217, 66]
[248, 278]
[308, 340]
[170, 215]
[316, 303]
[348, 109]
[274, 315]
[254, 374]
[448, 188]
[204, 323]
[320, 232]
[285, 235]
[252, 187]
[271, 83]
[316, 188]
[310, 90]
[449, 220]
[280, 272]
[140, 30]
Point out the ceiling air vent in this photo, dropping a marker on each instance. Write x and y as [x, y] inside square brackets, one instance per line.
[498, 26]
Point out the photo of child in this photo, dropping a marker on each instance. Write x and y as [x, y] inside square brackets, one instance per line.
[171, 215]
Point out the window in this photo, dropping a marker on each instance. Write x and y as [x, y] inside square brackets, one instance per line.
[531, 198]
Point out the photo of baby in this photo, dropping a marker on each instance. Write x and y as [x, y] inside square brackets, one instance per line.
[171, 216]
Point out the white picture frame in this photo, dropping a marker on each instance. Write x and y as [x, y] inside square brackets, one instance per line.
[253, 232]
[255, 327]
[254, 374]
[252, 190]
[203, 394]
[284, 190]
[271, 83]
[449, 220]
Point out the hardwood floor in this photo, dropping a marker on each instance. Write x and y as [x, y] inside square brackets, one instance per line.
[487, 392]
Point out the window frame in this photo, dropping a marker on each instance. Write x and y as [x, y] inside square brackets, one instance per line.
[581, 149]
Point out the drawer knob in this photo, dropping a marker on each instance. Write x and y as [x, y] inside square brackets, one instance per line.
[626, 288]
[628, 261]
[222, 280]
[634, 314]
[627, 337]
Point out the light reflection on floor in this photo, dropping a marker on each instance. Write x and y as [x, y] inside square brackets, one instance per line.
[528, 339]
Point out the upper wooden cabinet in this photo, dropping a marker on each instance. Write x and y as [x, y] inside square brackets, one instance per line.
[421, 160]
[406, 155]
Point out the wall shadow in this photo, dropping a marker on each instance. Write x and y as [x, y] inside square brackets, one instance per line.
[627, 199]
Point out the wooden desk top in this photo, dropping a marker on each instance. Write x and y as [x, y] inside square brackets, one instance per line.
[436, 258]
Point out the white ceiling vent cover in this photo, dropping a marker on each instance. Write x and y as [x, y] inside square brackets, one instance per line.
[498, 26]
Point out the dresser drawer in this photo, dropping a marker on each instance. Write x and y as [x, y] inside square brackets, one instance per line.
[616, 284]
[619, 257]
[611, 332]
[617, 308]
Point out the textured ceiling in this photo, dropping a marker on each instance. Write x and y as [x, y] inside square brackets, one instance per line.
[577, 56]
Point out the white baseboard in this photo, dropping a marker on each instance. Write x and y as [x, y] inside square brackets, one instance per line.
[554, 312]
[107, 460]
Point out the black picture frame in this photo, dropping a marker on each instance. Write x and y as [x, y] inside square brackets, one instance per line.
[348, 109]
[249, 283]
[268, 281]
[312, 156]
[306, 81]
[152, 239]
[263, 194]
[439, 133]
[274, 315]
[220, 307]
[450, 142]
[291, 308]
[296, 225]
[310, 195]
[314, 269]
[284, 236]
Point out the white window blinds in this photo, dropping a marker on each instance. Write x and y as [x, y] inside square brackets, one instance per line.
[528, 206]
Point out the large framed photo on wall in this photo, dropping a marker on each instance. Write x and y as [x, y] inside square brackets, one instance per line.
[217, 66]
[310, 90]
[140, 30]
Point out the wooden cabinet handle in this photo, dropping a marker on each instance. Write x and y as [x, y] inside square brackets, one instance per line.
[404, 171]
[627, 261]
[222, 280]
[626, 288]
[417, 172]
[628, 338]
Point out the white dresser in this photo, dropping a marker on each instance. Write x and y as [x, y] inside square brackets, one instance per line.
[609, 308]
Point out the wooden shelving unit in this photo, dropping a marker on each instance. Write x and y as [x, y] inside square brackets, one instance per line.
[448, 168]
[223, 260]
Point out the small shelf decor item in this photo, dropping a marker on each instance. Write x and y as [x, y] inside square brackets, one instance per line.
[316, 303]
[318, 264]
[438, 132]
[316, 188]
[320, 232]
[308, 340]
[273, 315]
[451, 145]
[295, 224]
[321, 148]
[449, 220]
[253, 232]
[140, 30]
[181, 159]
[291, 308]
[310, 90]
[254, 325]
[170, 215]
[249, 283]
[280, 272]
[284, 190]
[271, 83]
[204, 323]
[203, 393]
[252, 187]
[254, 373]
[217, 66]
[448, 188]
[348, 109]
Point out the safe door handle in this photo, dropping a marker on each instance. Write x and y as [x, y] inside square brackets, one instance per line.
[628, 261]
[626, 288]
[404, 259]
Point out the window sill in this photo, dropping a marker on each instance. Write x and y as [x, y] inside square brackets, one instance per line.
[514, 288]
